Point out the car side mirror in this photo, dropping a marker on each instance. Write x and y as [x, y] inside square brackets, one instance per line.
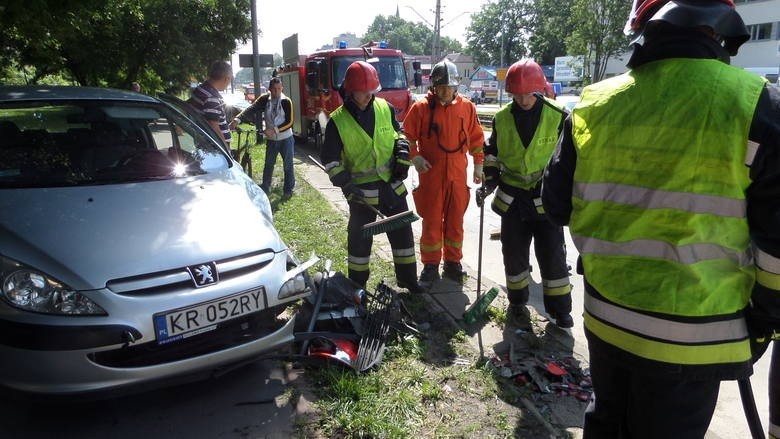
[416, 66]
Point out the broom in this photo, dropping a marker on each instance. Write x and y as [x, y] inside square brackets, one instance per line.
[384, 223]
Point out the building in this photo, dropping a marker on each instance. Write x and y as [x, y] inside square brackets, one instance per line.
[351, 39]
[761, 54]
[484, 81]
[465, 65]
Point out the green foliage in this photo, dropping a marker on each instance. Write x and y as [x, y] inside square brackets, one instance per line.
[408, 37]
[161, 44]
[597, 33]
[551, 25]
[545, 29]
[499, 32]
[369, 405]
[497, 315]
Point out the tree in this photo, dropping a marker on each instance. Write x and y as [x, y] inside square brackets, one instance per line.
[598, 34]
[162, 44]
[499, 32]
[406, 36]
[551, 24]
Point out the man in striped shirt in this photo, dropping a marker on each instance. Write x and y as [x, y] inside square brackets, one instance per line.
[209, 103]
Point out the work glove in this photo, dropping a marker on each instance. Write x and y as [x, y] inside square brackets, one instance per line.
[352, 193]
[483, 193]
[760, 329]
[479, 174]
[420, 164]
[401, 161]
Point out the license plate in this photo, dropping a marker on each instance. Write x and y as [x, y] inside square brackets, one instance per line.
[185, 322]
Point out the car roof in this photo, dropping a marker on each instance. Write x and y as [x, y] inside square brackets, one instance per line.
[58, 92]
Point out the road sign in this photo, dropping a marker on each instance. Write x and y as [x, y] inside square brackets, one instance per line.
[568, 68]
[245, 60]
[501, 74]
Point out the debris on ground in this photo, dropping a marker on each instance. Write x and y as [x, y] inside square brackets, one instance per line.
[546, 374]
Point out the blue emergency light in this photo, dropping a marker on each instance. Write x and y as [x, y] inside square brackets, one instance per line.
[342, 44]
[383, 44]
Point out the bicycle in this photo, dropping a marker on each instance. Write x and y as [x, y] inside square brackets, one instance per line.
[241, 154]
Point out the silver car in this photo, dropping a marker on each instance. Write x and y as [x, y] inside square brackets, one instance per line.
[133, 249]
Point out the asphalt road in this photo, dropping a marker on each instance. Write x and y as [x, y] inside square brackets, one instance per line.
[247, 402]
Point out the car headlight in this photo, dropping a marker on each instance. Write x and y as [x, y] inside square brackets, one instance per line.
[293, 287]
[296, 283]
[33, 291]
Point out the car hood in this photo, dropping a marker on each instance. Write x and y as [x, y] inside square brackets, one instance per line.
[85, 236]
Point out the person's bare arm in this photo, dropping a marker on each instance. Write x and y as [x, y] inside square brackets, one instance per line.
[215, 126]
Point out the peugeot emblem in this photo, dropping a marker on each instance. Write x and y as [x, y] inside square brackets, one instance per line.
[204, 274]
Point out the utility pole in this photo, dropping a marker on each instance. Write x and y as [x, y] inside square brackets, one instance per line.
[501, 66]
[436, 34]
[255, 51]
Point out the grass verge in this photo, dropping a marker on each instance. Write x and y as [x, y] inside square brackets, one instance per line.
[429, 386]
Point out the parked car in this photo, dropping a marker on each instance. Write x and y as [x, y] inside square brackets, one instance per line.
[133, 249]
[568, 100]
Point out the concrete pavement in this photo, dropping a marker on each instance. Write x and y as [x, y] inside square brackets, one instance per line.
[728, 421]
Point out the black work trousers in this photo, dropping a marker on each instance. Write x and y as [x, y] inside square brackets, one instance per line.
[359, 247]
[774, 392]
[516, 236]
[636, 403]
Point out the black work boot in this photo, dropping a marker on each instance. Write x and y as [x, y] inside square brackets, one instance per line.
[563, 320]
[413, 286]
[454, 271]
[518, 316]
[429, 275]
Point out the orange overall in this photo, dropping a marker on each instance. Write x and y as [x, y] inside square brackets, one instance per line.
[443, 195]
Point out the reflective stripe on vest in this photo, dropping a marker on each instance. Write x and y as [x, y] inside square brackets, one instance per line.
[664, 340]
[659, 199]
[522, 166]
[768, 270]
[502, 200]
[368, 159]
[659, 206]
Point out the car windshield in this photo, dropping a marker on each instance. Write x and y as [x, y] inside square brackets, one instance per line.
[80, 142]
[392, 74]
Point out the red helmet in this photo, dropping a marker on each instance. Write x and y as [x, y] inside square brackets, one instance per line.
[525, 76]
[361, 76]
[719, 15]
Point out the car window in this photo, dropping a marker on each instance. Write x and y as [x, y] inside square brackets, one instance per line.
[100, 142]
[390, 69]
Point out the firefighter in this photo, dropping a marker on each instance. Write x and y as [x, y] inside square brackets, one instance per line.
[524, 135]
[366, 157]
[442, 127]
[668, 178]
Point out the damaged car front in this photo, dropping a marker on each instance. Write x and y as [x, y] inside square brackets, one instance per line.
[133, 249]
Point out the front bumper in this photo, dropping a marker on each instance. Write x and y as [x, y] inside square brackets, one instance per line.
[88, 370]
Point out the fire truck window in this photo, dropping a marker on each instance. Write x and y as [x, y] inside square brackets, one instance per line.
[391, 73]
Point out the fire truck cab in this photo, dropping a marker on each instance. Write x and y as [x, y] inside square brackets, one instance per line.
[313, 84]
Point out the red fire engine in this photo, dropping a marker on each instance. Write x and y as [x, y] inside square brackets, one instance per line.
[313, 84]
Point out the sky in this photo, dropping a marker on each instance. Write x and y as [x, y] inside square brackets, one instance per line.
[318, 22]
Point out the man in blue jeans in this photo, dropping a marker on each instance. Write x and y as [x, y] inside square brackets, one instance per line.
[278, 119]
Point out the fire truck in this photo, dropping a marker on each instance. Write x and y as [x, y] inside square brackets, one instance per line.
[313, 84]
